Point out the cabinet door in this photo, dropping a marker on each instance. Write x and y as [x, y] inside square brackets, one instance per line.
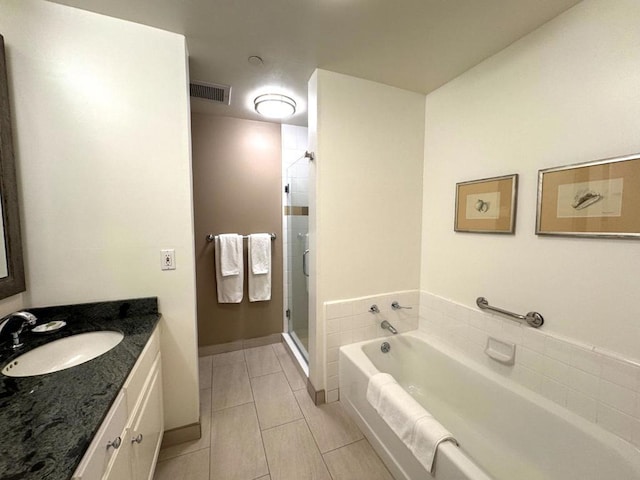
[106, 444]
[148, 426]
[120, 466]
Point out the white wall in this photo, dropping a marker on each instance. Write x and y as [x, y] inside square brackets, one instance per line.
[564, 94]
[101, 129]
[365, 240]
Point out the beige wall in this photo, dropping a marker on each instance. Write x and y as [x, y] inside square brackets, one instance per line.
[237, 173]
[365, 226]
[564, 94]
[101, 134]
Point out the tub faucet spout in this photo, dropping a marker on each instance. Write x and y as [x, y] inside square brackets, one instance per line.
[387, 326]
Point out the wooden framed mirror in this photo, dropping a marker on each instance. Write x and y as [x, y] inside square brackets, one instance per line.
[11, 262]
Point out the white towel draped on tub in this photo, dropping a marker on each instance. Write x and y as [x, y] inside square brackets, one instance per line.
[409, 420]
[259, 267]
[229, 286]
[427, 434]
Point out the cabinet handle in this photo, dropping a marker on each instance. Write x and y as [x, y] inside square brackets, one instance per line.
[137, 439]
[115, 444]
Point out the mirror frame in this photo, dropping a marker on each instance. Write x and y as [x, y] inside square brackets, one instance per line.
[14, 282]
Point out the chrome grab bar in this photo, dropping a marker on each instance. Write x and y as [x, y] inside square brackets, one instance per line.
[304, 263]
[534, 319]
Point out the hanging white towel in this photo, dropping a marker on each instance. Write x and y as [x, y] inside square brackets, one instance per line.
[427, 434]
[230, 287]
[230, 254]
[259, 261]
[260, 253]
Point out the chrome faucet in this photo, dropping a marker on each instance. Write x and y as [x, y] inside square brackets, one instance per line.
[28, 320]
[387, 326]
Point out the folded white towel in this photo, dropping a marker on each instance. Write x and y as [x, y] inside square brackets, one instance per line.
[400, 410]
[230, 288]
[374, 387]
[260, 253]
[230, 254]
[260, 283]
[427, 434]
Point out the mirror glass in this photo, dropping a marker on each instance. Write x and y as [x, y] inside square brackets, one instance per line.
[11, 265]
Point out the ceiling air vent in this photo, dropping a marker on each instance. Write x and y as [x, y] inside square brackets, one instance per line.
[210, 91]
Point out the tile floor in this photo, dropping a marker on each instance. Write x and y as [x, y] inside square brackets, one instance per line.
[258, 422]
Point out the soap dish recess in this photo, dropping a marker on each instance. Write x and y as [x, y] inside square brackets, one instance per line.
[500, 351]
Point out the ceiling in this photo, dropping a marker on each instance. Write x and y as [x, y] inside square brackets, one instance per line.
[416, 45]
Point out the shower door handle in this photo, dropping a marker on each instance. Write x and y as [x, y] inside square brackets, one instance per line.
[304, 263]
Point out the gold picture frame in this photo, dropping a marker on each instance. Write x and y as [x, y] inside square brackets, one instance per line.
[592, 199]
[487, 205]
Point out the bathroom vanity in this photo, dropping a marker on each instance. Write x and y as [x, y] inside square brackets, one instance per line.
[99, 419]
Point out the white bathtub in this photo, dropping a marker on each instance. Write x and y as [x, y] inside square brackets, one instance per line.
[505, 431]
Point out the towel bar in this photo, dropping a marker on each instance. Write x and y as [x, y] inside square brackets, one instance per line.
[534, 319]
[211, 237]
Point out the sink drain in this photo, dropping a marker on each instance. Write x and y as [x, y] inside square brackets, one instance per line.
[385, 347]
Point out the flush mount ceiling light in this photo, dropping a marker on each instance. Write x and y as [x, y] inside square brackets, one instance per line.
[273, 105]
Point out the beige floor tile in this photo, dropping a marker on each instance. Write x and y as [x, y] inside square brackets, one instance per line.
[279, 348]
[266, 477]
[261, 361]
[292, 454]
[204, 369]
[205, 426]
[228, 358]
[230, 386]
[236, 446]
[296, 380]
[192, 466]
[330, 425]
[274, 399]
[357, 461]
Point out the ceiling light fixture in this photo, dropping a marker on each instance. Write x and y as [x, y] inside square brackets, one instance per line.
[274, 105]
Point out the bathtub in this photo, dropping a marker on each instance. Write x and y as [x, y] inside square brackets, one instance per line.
[505, 431]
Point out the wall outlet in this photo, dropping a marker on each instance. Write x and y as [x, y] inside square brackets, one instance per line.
[168, 259]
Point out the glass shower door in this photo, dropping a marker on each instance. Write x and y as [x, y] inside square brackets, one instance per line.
[297, 218]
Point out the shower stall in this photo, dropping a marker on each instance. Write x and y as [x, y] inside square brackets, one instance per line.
[296, 226]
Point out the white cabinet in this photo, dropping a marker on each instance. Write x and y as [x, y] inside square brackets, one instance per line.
[127, 444]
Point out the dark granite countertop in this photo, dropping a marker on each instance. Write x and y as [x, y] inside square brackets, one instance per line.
[48, 421]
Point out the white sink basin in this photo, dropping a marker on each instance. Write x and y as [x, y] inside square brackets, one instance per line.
[63, 353]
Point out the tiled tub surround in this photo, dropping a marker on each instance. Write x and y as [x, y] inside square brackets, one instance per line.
[349, 321]
[48, 421]
[595, 384]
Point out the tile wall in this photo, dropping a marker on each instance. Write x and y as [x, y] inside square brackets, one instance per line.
[595, 384]
[349, 321]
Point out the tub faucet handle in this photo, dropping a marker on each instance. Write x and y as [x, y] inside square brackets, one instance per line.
[397, 306]
[374, 308]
